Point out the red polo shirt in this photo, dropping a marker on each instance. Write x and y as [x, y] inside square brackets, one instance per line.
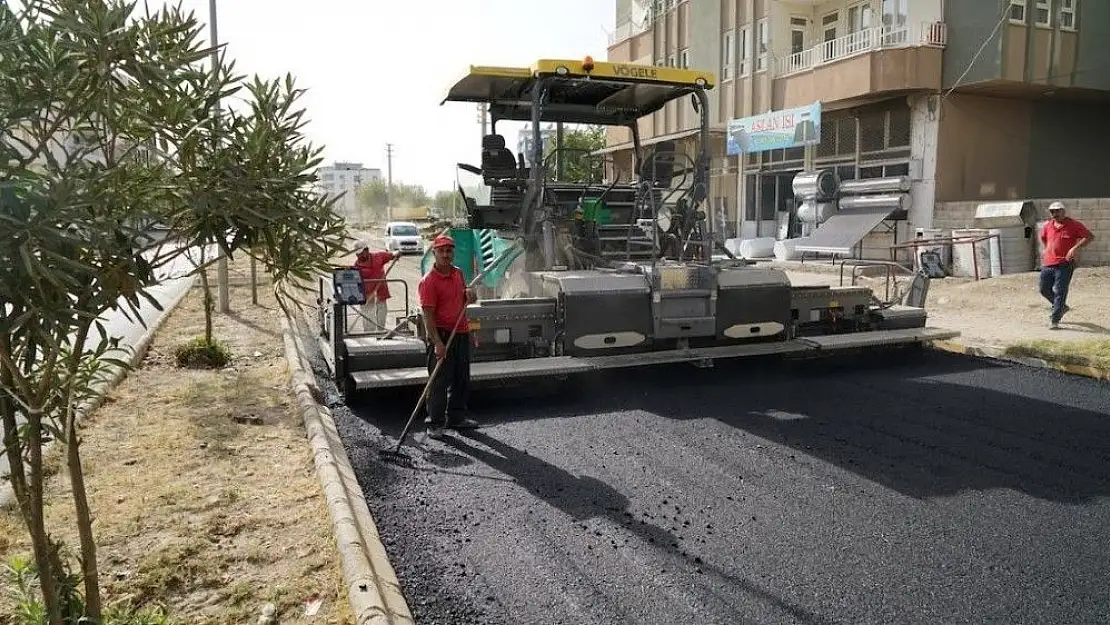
[446, 293]
[1058, 238]
[374, 269]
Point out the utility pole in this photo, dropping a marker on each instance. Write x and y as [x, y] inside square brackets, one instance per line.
[483, 117]
[221, 260]
[389, 182]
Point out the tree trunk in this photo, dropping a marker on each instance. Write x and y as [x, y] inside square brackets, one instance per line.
[90, 572]
[208, 305]
[29, 488]
[37, 524]
[12, 446]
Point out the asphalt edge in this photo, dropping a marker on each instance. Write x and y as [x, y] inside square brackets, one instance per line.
[998, 353]
[117, 375]
[373, 590]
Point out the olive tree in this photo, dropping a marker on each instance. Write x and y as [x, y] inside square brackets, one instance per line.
[107, 126]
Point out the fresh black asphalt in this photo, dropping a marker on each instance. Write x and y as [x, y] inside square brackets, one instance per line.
[880, 488]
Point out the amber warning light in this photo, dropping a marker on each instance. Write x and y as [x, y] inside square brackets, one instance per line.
[588, 64]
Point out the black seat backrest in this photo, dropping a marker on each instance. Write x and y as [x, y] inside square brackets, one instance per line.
[497, 160]
[658, 167]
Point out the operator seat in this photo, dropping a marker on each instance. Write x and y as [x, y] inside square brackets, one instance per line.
[658, 165]
[498, 162]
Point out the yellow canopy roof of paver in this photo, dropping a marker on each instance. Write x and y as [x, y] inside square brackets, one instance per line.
[606, 93]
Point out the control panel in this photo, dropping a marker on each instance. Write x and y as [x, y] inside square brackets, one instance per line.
[348, 287]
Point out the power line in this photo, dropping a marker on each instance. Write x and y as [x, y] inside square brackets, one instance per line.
[1001, 21]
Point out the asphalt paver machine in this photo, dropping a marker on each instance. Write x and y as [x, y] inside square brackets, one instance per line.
[619, 270]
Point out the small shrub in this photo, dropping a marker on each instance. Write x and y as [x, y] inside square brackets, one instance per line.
[24, 592]
[199, 354]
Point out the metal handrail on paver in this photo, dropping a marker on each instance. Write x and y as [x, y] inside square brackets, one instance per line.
[859, 263]
[965, 240]
[406, 309]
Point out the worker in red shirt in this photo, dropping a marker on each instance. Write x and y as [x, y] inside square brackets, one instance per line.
[443, 299]
[371, 266]
[1062, 238]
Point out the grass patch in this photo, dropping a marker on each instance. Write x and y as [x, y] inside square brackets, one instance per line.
[200, 354]
[1089, 353]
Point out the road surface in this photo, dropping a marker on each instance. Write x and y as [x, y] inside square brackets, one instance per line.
[874, 489]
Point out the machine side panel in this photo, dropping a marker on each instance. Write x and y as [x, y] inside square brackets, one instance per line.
[513, 328]
[603, 313]
[366, 353]
[753, 304]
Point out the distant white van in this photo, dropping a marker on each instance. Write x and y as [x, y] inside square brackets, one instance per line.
[403, 236]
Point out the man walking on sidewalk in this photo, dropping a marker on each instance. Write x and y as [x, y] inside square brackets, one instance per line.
[371, 266]
[1062, 238]
[443, 298]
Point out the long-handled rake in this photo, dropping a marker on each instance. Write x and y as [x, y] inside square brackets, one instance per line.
[396, 451]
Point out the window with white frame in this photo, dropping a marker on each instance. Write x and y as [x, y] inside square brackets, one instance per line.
[895, 13]
[728, 57]
[684, 58]
[798, 28]
[1017, 11]
[1067, 14]
[743, 48]
[860, 17]
[761, 45]
[1043, 13]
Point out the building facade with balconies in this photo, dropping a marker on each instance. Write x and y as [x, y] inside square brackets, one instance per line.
[345, 178]
[971, 99]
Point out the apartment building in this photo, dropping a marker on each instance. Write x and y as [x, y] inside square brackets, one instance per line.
[971, 99]
[345, 177]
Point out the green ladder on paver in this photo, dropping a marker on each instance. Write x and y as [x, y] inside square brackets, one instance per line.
[475, 250]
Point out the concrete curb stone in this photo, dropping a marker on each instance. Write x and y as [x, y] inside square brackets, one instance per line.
[373, 590]
[998, 353]
[7, 494]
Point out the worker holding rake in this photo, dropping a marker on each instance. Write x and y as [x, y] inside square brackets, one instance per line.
[371, 266]
[443, 298]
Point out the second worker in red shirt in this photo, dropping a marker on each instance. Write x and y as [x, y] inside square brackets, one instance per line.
[1062, 237]
[443, 299]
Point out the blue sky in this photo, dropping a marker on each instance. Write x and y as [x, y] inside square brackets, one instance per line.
[377, 70]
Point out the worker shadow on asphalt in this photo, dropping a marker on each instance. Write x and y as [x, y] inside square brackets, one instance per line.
[926, 425]
[583, 498]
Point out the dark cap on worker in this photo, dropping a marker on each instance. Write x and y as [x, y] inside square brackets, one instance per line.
[443, 241]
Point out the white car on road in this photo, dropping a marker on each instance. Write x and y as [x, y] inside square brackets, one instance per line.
[403, 236]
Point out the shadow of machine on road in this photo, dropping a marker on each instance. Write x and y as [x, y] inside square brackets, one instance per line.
[585, 497]
[931, 425]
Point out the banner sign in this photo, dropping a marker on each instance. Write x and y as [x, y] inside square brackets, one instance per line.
[775, 130]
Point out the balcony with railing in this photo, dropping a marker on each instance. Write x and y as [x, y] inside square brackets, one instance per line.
[932, 34]
[867, 61]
